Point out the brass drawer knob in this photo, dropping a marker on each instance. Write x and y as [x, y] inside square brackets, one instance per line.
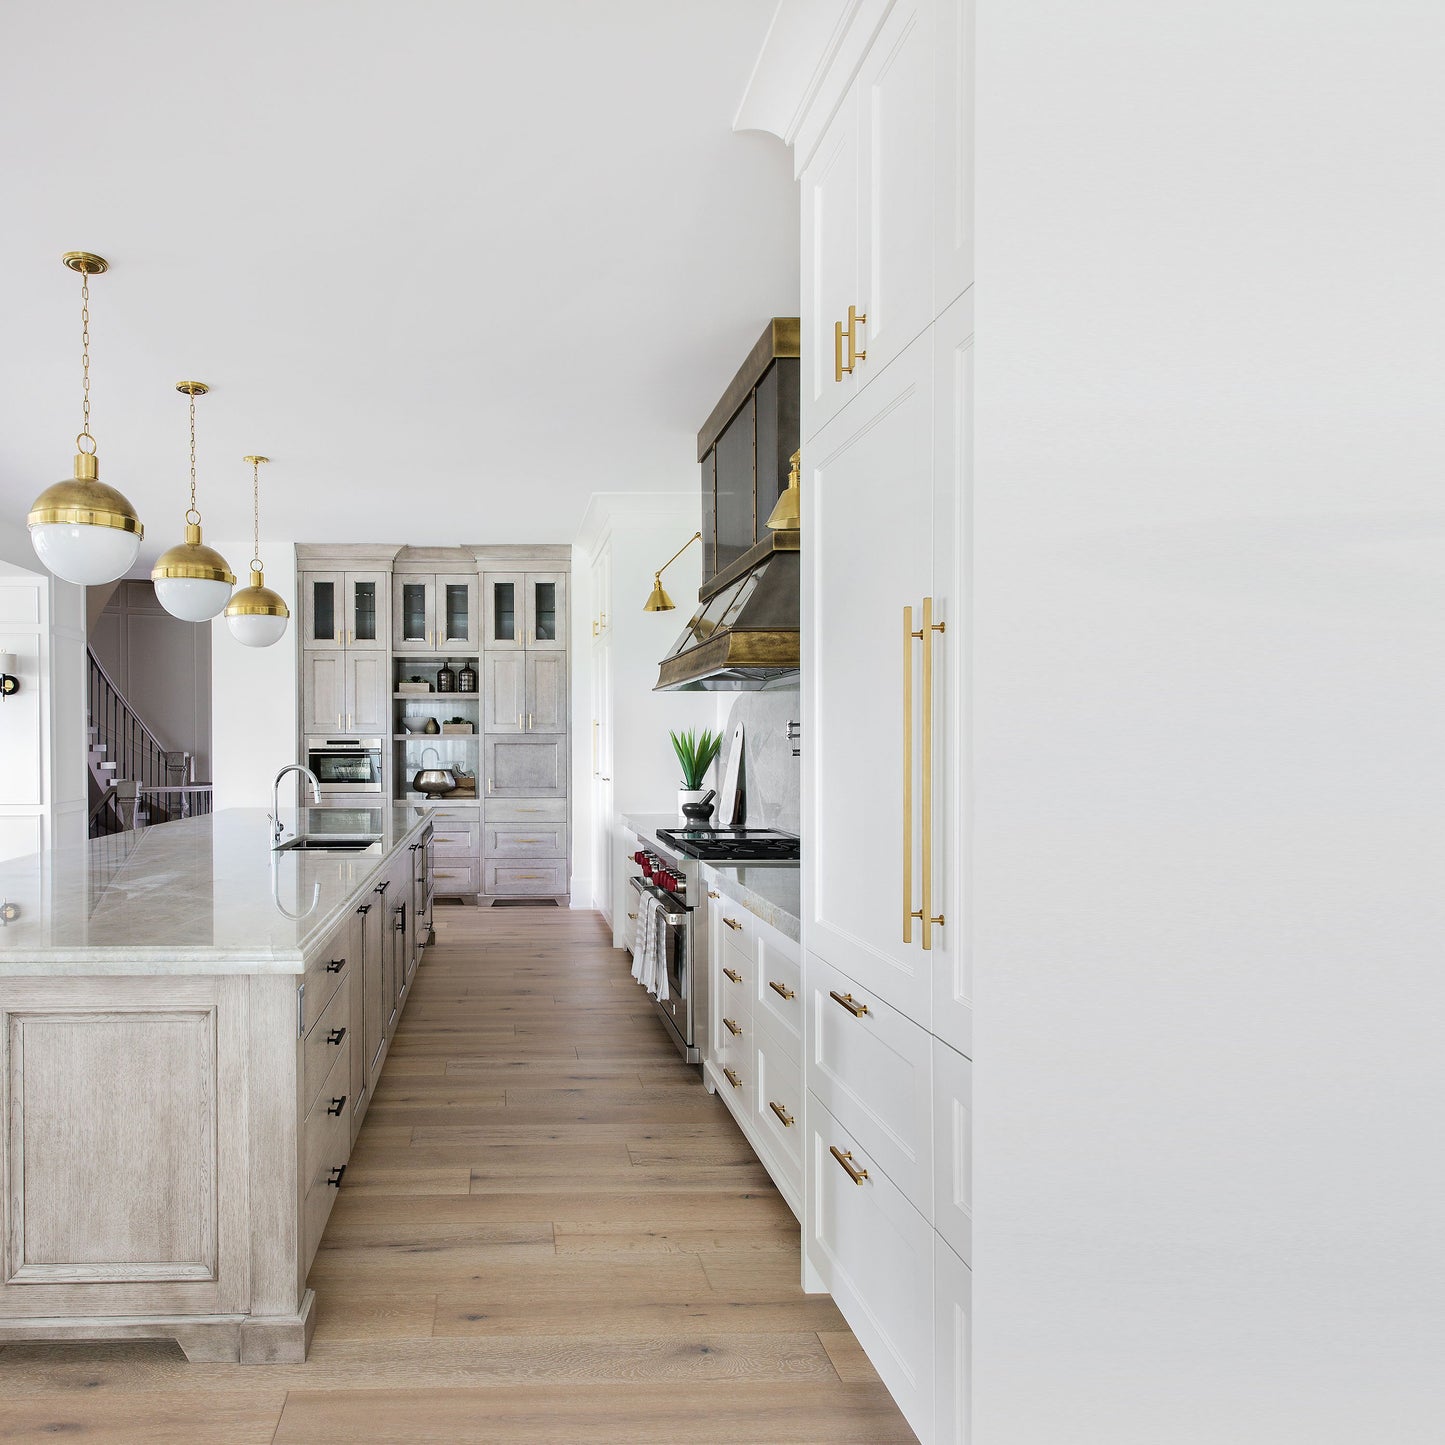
[781, 989]
[782, 1113]
[845, 1158]
[736, 977]
[733, 1029]
[849, 1002]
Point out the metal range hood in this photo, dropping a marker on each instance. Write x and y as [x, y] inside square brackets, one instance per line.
[744, 634]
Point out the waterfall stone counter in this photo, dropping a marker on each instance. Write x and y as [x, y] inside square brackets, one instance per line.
[192, 1027]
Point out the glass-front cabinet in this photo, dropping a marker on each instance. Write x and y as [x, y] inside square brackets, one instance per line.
[344, 610]
[547, 610]
[505, 620]
[434, 612]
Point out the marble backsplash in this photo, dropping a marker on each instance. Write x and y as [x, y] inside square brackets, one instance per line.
[773, 774]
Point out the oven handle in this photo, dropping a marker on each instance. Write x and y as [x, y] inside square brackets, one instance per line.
[662, 896]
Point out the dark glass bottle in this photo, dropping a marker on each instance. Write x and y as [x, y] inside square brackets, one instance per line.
[446, 679]
[467, 678]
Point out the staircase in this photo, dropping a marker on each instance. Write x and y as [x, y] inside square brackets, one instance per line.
[134, 780]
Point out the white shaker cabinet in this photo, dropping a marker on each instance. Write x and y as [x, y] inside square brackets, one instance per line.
[953, 152]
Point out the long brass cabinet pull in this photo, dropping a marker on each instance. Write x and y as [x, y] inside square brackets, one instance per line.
[845, 1158]
[781, 989]
[733, 924]
[838, 367]
[924, 913]
[782, 1113]
[849, 1002]
[736, 977]
[733, 1079]
[732, 1028]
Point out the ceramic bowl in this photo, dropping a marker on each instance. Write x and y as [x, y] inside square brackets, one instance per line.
[414, 724]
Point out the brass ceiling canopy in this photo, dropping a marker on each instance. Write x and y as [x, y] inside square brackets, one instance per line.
[82, 530]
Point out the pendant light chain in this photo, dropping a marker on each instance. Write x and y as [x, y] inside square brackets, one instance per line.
[193, 464]
[256, 517]
[85, 363]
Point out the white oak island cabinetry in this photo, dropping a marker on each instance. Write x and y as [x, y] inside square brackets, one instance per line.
[192, 1026]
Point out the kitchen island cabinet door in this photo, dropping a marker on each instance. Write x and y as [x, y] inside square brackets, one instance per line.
[870, 557]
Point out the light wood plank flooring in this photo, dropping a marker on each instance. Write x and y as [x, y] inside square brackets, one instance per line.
[549, 1231]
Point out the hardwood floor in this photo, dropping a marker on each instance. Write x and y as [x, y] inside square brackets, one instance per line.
[549, 1232]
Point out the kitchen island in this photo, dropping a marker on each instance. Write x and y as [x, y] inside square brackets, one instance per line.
[193, 1024]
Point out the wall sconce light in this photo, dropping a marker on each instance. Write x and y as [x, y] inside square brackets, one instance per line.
[9, 683]
[659, 601]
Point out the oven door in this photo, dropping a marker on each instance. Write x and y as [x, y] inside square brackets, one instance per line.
[345, 767]
[675, 940]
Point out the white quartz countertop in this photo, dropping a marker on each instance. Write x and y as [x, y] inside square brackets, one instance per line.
[770, 891]
[201, 895]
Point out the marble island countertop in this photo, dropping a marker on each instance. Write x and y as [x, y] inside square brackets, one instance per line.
[201, 895]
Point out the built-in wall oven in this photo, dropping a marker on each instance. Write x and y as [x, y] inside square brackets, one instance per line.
[345, 765]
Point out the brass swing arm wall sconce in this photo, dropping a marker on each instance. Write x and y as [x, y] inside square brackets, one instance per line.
[659, 601]
[9, 683]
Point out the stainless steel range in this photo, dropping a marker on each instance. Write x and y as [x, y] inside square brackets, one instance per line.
[668, 874]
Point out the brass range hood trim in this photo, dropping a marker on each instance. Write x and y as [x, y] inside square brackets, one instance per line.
[758, 552]
[732, 651]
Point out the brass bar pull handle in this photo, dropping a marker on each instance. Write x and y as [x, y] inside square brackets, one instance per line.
[736, 977]
[838, 367]
[733, 1029]
[733, 924]
[856, 318]
[711, 894]
[782, 1113]
[908, 635]
[849, 1002]
[926, 913]
[845, 1158]
[782, 990]
[733, 1079]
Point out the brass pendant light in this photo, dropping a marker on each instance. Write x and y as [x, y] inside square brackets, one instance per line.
[82, 530]
[193, 581]
[787, 514]
[256, 615]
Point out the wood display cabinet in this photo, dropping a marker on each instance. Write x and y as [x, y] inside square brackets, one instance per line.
[525, 610]
[434, 612]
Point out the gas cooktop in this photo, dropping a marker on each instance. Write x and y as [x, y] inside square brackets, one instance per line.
[743, 845]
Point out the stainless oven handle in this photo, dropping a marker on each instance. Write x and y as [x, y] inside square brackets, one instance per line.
[662, 897]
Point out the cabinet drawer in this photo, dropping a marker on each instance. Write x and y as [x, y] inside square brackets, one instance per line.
[456, 839]
[454, 815]
[953, 1149]
[543, 877]
[454, 877]
[874, 1252]
[324, 1044]
[324, 974]
[735, 1074]
[732, 1024]
[327, 1148]
[526, 810]
[952, 1338]
[778, 995]
[872, 1067]
[736, 927]
[336, 1088]
[778, 1110]
[525, 840]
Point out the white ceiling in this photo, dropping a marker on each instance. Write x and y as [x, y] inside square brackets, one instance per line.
[453, 266]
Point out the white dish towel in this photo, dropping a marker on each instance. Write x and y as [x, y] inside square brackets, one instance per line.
[648, 965]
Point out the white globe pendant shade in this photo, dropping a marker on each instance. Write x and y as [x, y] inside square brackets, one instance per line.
[84, 531]
[192, 580]
[256, 615]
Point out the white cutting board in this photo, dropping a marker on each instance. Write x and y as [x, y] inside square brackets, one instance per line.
[732, 808]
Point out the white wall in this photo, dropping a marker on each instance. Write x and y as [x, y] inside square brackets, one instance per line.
[1210, 626]
[253, 694]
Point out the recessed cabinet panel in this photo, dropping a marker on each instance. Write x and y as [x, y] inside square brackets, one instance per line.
[546, 610]
[546, 692]
[504, 610]
[953, 1347]
[953, 1149]
[526, 766]
[368, 704]
[953, 161]
[504, 692]
[323, 690]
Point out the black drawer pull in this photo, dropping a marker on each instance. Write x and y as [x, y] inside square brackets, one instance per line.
[336, 965]
[382, 887]
[335, 1180]
[365, 908]
[335, 1036]
[335, 1107]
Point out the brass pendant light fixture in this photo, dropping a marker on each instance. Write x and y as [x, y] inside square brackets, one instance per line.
[82, 530]
[256, 615]
[787, 514]
[192, 580]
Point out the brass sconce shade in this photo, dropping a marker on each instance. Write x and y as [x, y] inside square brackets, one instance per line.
[658, 600]
[787, 515]
[81, 529]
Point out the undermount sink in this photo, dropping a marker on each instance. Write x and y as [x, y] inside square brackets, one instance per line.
[326, 845]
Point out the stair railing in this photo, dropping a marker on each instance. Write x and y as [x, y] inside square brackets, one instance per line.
[134, 749]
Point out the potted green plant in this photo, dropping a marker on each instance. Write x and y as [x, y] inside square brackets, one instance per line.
[696, 753]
